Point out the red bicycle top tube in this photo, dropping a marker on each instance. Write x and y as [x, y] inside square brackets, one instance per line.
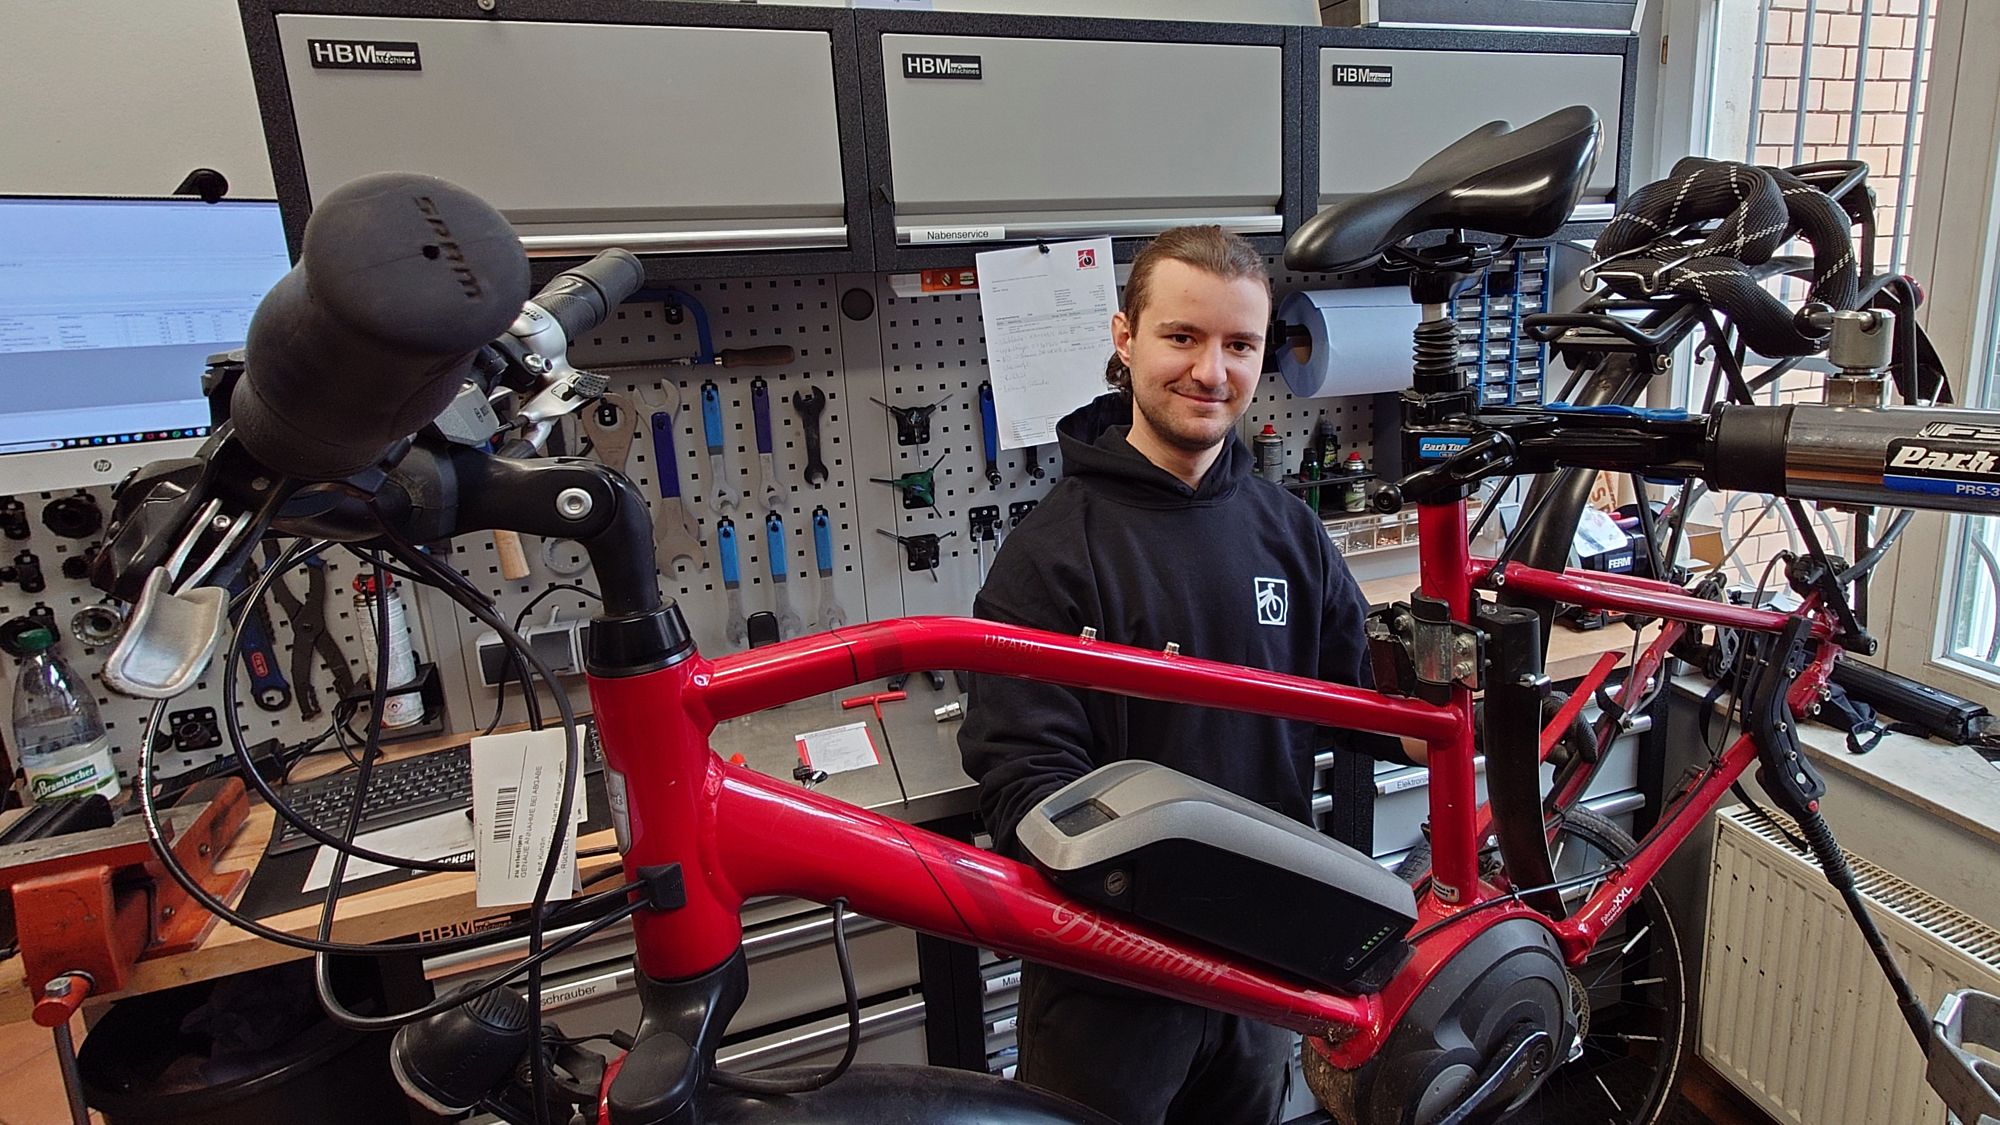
[743, 683]
[1647, 599]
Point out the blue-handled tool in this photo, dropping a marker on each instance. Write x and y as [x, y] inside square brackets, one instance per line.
[721, 495]
[735, 627]
[676, 534]
[260, 653]
[991, 423]
[789, 623]
[767, 468]
[830, 614]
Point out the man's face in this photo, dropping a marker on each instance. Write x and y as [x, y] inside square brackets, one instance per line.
[1194, 354]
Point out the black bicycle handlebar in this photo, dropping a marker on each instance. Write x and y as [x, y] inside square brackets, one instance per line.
[402, 278]
[579, 299]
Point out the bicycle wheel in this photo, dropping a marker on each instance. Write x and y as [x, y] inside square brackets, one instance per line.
[1631, 993]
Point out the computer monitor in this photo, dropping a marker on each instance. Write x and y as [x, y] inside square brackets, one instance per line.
[109, 309]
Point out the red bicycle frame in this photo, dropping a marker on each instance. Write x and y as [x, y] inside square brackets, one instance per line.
[737, 833]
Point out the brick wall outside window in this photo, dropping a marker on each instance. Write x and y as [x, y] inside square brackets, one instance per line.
[1818, 61]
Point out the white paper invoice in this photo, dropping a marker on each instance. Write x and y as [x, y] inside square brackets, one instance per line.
[1048, 333]
[446, 836]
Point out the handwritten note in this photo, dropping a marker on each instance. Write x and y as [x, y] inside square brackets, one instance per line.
[1048, 333]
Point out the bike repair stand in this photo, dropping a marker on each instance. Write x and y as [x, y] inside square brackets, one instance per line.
[1440, 647]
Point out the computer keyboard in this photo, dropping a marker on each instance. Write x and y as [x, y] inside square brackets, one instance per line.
[398, 792]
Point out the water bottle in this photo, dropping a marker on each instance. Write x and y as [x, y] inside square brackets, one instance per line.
[61, 738]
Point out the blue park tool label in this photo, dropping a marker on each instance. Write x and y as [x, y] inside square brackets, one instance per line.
[1946, 458]
[1438, 448]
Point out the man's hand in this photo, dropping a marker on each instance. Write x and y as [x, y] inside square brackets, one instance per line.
[1418, 750]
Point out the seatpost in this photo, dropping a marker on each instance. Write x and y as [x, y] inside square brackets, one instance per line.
[1436, 413]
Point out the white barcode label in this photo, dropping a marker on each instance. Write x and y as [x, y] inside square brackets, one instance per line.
[516, 789]
[503, 812]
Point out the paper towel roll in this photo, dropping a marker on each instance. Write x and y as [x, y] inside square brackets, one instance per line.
[1360, 341]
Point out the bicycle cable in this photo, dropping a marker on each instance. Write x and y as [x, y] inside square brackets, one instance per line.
[1519, 895]
[150, 819]
[521, 673]
[750, 1084]
[459, 590]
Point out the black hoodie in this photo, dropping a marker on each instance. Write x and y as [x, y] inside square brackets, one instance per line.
[1236, 570]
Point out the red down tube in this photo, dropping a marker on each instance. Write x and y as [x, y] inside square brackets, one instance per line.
[736, 833]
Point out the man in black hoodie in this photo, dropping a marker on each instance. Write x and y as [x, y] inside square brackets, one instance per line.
[1159, 533]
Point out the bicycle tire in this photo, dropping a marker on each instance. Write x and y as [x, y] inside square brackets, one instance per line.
[1647, 1004]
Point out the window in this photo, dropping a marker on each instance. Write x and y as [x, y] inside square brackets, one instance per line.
[1797, 81]
[1945, 580]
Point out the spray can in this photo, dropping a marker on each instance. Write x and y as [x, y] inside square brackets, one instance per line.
[1354, 490]
[1268, 452]
[400, 709]
[1326, 463]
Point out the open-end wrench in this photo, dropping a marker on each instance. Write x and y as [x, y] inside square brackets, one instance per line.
[676, 535]
[735, 626]
[990, 428]
[610, 426]
[721, 496]
[830, 614]
[810, 404]
[789, 623]
[767, 469]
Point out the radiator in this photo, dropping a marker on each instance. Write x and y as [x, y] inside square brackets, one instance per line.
[1794, 1010]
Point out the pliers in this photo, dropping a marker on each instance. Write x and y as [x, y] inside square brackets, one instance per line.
[309, 636]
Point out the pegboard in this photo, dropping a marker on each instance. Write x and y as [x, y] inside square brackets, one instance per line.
[124, 717]
[909, 351]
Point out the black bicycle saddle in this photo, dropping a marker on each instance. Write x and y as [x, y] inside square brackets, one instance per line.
[1522, 182]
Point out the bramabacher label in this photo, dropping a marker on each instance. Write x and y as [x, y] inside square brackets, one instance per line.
[1364, 76]
[362, 54]
[1948, 458]
[941, 66]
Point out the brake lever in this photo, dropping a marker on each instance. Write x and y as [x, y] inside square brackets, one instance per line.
[180, 532]
[536, 343]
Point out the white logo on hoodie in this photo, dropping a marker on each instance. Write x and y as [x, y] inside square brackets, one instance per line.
[1273, 600]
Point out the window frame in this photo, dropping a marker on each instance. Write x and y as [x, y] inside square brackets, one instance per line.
[1955, 249]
